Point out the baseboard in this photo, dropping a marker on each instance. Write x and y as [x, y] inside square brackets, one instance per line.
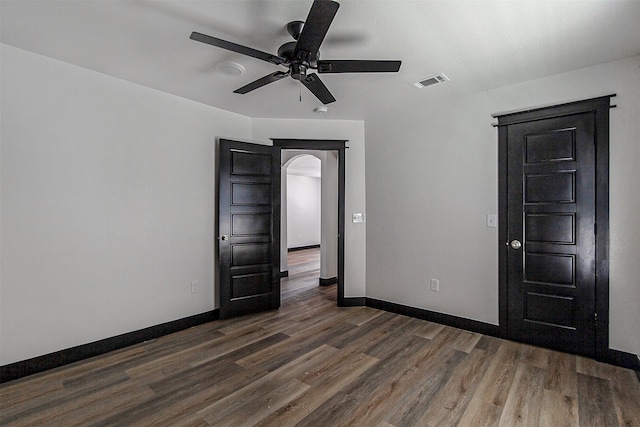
[32, 366]
[302, 248]
[432, 316]
[353, 302]
[284, 273]
[623, 359]
[327, 282]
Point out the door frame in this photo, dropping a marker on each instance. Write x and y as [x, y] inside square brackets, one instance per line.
[600, 108]
[338, 145]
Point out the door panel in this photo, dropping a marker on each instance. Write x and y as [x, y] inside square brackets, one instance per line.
[249, 227]
[551, 211]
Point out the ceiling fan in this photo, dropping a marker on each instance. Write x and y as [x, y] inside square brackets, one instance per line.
[302, 55]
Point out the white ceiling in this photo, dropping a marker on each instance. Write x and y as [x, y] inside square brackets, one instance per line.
[306, 165]
[479, 45]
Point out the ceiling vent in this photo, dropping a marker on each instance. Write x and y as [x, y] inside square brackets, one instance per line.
[438, 78]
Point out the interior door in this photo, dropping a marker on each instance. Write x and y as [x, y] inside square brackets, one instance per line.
[248, 227]
[551, 247]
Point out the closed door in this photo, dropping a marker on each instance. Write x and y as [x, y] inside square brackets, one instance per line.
[248, 227]
[551, 221]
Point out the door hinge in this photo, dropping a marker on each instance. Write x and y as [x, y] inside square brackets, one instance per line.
[595, 317]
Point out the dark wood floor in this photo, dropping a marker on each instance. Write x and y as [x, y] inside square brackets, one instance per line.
[311, 363]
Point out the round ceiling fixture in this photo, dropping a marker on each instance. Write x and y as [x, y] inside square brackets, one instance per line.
[320, 110]
[230, 68]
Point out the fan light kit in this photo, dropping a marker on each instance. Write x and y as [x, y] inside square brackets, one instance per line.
[230, 68]
[302, 56]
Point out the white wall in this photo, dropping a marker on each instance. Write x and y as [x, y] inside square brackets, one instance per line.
[352, 130]
[107, 208]
[432, 178]
[303, 211]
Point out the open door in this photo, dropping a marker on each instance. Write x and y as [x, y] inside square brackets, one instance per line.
[248, 227]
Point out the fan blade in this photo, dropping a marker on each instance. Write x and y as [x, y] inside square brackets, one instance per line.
[270, 78]
[233, 47]
[357, 66]
[315, 85]
[315, 29]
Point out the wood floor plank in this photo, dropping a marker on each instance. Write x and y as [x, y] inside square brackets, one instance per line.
[561, 374]
[280, 354]
[239, 402]
[362, 315]
[428, 329]
[535, 356]
[626, 391]
[489, 344]
[262, 406]
[524, 402]
[558, 410]
[62, 399]
[324, 383]
[339, 408]
[391, 341]
[595, 369]
[496, 384]
[214, 347]
[23, 394]
[176, 409]
[363, 338]
[451, 401]
[480, 413]
[412, 380]
[596, 407]
[466, 341]
[79, 407]
[443, 342]
[434, 374]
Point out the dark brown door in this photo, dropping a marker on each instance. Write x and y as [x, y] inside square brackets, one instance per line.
[248, 227]
[551, 185]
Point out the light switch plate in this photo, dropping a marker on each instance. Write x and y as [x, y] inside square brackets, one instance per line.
[492, 221]
[358, 217]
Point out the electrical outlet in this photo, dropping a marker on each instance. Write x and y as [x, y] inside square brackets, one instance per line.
[435, 285]
[195, 287]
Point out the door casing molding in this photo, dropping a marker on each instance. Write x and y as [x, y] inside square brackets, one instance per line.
[338, 145]
[600, 108]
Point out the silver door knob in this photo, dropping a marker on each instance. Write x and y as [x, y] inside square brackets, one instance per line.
[224, 237]
[515, 244]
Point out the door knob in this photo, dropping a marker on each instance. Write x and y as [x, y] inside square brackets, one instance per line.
[224, 237]
[515, 244]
